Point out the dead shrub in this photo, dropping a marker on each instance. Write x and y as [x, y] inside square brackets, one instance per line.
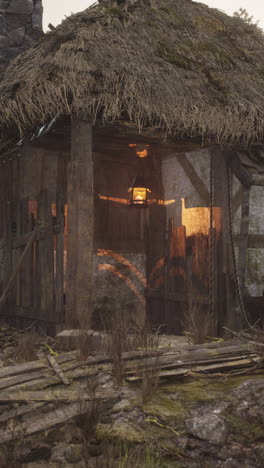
[256, 336]
[148, 367]
[87, 415]
[118, 344]
[89, 340]
[150, 379]
[25, 349]
[197, 322]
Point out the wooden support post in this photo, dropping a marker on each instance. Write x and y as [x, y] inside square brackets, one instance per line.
[243, 240]
[59, 277]
[80, 226]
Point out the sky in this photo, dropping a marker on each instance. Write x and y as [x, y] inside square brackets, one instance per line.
[56, 10]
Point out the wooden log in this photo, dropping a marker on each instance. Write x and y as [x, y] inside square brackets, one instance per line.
[44, 396]
[9, 382]
[80, 226]
[16, 412]
[58, 370]
[35, 365]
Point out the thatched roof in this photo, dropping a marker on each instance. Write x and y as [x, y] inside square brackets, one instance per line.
[172, 64]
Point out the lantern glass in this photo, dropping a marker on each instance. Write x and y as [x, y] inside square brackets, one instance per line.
[139, 192]
[139, 195]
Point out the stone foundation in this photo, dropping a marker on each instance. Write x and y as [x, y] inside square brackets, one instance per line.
[20, 26]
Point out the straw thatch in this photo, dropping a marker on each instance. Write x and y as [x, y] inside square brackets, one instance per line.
[173, 64]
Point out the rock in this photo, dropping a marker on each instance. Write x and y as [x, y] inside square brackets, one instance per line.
[21, 7]
[55, 435]
[37, 16]
[9, 350]
[3, 456]
[17, 21]
[251, 400]
[70, 339]
[3, 42]
[3, 4]
[16, 37]
[210, 427]
[2, 25]
[40, 452]
[73, 453]
[95, 450]
[123, 405]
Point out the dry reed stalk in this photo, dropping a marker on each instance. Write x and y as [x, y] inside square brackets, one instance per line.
[87, 417]
[197, 322]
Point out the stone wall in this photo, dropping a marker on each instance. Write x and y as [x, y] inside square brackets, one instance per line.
[119, 285]
[20, 26]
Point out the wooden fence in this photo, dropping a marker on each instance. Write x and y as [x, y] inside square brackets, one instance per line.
[37, 291]
[184, 272]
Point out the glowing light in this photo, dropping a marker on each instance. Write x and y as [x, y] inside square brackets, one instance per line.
[130, 284]
[143, 153]
[124, 261]
[159, 264]
[168, 202]
[123, 201]
[141, 149]
[197, 220]
[139, 192]
[159, 282]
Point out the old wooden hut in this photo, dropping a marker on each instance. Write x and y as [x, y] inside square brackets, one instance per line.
[162, 97]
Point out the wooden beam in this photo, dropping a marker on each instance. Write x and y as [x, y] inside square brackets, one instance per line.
[243, 239]
[80, 225]
[242, 174]
[258, 180]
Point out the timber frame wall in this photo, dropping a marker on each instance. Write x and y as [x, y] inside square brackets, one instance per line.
[65, 186]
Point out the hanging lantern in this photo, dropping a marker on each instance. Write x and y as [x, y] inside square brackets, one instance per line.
[139, 192]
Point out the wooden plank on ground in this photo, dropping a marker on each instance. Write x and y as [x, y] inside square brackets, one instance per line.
[223, 367]
[48, 420]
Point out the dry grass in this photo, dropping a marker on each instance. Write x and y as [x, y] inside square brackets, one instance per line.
[118, 344]
[150, 379]
[130, 334]
[87, 416]
[256, 335]
[183, 75]
[197, 323]
[25, 349]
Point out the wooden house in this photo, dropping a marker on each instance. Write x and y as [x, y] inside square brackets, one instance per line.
[132, 153]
